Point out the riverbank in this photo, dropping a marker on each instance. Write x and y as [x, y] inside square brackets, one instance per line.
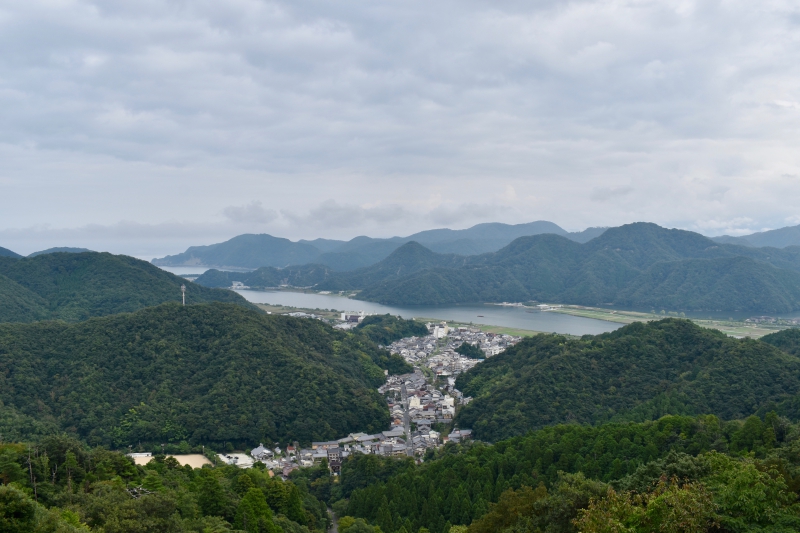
[735, 328]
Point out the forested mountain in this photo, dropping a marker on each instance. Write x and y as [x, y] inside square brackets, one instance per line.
[77, 286]
[254, 251]
[776, 238]
[245, 251]
[64, 249]
[676, 474]
[787, 340]
[638, 372]
[207, 374]
[640, 265]
[5, 252]
[407, 259]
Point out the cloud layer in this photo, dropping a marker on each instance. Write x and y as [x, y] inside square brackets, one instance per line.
[311, 118]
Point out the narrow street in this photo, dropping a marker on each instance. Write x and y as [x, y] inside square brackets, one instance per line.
[334, 522]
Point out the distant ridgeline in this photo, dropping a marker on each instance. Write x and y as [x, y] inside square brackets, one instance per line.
[636, 266]
[639, 372]
[255, 251]
[206, 374]
[77, 286]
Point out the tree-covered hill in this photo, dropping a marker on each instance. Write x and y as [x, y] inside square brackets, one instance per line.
[654, 476]
[787, 340]
[269, 277]
[640, 265]
[385, 329]
[639, 372]
[207, 374]
[77, 286]
[5, 252]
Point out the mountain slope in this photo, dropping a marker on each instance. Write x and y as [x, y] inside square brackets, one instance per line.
[77, 286]
[732, 284]
[777, 238]
[255, 251]
[245, 251]
[639, 372]
[204, 373]
[5, 252]
[638, 264]
[18, 304]
[63, 249]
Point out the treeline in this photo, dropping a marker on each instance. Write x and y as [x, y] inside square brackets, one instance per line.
[78, 286]
[639, 372]
[215, 374]
[57, 485]
[740, 475]
[385, 329]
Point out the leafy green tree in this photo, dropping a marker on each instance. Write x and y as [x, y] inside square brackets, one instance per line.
[253, 514]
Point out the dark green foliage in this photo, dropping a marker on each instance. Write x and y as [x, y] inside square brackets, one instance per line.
[570, 465]
[19, 304]
[77, 286]
[68, 488]
[639, 372]
[202, 373]
[269, 277]
[385, 329]
[470, 350]
[787, 340]
[5, 252]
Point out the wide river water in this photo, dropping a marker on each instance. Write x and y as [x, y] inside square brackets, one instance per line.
[492, 315]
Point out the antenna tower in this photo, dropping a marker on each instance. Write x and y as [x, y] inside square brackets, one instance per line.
[183, 293]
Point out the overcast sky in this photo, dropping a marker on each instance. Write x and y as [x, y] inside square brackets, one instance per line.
[145, 127]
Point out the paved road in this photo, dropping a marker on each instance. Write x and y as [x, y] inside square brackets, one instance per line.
[334, 522]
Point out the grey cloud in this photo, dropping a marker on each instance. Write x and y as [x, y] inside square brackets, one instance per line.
[331, 214]
[605, 194]
[384, 104]
[252, 213]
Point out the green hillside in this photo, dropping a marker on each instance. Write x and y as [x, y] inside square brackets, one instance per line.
[64, 249]
[385, 329]
[269, 277]
[5, 252]
[787, 340]
[19, 304]
[639, 372]
[57, 485]
[637, 265]
[676, 474]
[202, 373]
[77, 286]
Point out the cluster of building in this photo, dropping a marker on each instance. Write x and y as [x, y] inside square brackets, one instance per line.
[416, 405]
[773, 320]
[437, 350]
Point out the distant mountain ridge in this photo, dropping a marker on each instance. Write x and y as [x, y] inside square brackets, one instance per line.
[776, 238]
[254, 251]
[61, 249]
[5, 252]
[78, 286]
[638, 265]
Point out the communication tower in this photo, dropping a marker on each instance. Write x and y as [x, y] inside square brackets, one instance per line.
[183, 293]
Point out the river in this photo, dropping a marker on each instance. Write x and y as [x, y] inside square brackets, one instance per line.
[492, 315]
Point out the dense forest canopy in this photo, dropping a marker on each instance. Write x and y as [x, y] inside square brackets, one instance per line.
[77, 286]
[740, 475]
[207, 374]
[636, 266]
[56, 485]
[385, 329]
[787, 340]
[639, 372]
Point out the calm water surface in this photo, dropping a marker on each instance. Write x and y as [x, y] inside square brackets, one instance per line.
[493, 315]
